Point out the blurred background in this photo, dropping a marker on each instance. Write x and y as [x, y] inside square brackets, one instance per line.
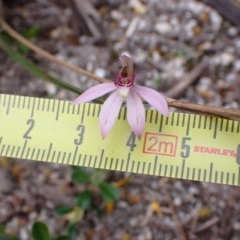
[171, 42]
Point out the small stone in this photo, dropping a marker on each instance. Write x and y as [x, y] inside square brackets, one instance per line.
[50, 88]
[116, 15]
[215, 19]
[237, 65]
[236, 226]
[177, 201]
[232, 32]
[163, 27]
[133, 222]
[23, 234]
[100, 72]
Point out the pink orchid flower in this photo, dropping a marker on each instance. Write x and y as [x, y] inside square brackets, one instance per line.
[124, 89]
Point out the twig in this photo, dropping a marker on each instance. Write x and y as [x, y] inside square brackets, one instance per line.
[191, 107]
[47, 55]
[207, 225]
[177, 89]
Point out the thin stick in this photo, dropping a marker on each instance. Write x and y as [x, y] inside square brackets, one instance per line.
[191, 107]
[47, 55]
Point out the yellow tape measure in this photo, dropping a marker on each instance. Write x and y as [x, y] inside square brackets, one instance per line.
[184, 146]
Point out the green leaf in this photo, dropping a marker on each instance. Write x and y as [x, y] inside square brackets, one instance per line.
[109, 192]
[84, 200]
[32, 32]
[72, 231]
[64, 238]
[80, 175]
[5, 237]
[2, 229]
[40, 231]
[63, 209]
[97, 176]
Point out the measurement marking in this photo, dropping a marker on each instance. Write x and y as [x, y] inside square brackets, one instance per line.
[232, 125]
[63, 108]
[32, 153]
[53, 156]
[138, 166]
[49, 103]
[43, 155]
[8, 106]
[228, 178]
[132, 166]
[160, 125]
[176, 173]
[146, 115]
[173, 115]
[84, 160]
[27, 153]
[129, 155]
[221, 126]
[2, 149]
[95, 162]
[100, 162]
[194, 121]
[110, 167]
[205, 175]
[200, 121]
[38, 154]
[73, 108]
[233, 178]
[171, 170]
[160, 170]
[83, 113]
[64, 155]
[14, 100]
[199, 174]
[149, 168]
[68, 108]
[53, 107]
[193, 174]
[215, 129]
[205, 122]
[119, 115]
[178, 115]
[183, 166]
[156, 118]
[88, 110]
[7, 150]
[151, 115]
[28, 105]
[12, 151]
[57, 114]
[210, 125]
[143, 168]
[227, 126]
[19, 102]
[183, 122]
[155, 165]
[75, 154]
[78, 109]
[38, 106]
[4, 99]
[99, 108]
[188, 124]
[79, 159]
[105, 164]
[0, 140]
[222, 177]
[216, 176]
[210, 174]
[116, 164]
[165, 170]
[122, 165]
[43, 106]
[58, 157]
[17, 152]
[24, 146]
[166, 122]
[33, 107]
[69, 157]
[188, 173]
[49, 151]
[125, 113]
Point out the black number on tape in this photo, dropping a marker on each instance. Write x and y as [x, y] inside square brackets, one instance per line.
[185, 147]
[30, 122]
[81, 130]
[131, 141]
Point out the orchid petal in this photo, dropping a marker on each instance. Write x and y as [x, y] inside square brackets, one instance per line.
[154, 98]
[95, 92]
[127, 61]
[135, 113]
[109, 113]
